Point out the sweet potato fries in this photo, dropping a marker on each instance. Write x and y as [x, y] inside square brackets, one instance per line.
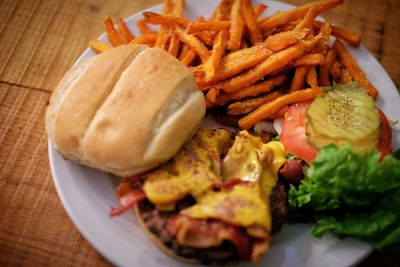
[249, 65]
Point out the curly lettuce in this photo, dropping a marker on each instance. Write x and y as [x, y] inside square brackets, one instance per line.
[353, 195]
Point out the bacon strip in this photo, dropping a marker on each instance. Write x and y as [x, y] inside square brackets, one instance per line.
[292, 171]
[206, 234]
[128, 196]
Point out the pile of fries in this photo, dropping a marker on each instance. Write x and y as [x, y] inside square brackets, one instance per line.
[250, 68]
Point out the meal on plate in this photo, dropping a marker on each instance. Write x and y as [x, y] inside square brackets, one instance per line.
[300, 138]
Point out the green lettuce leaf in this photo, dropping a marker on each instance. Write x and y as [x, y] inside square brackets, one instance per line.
[379, 226]
[353, 195]
[341, 178]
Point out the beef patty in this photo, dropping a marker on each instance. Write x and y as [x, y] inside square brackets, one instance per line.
[156, 222]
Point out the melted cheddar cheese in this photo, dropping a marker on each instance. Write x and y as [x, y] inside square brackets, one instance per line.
[241, 205]
[197, 167]
[193, 171]
[250, 160]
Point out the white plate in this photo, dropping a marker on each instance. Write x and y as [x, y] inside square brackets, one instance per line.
[88, 194]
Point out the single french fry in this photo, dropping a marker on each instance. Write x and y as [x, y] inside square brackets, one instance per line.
[174, 45]
[142, 26]
[168, 20]
[223, 10]
[254, 51]
[241, 108]
[280, 41]
[237, 26]
[162, 39]
[125, 32]
[248, 105]
[311, 78]
[352, 38]
[299, 79]
[355, 71]
[189, 57]
[231, 60]
[213, 62]
[325, 68]
[98, 46]
[272, 107]
[212, 94]
[335, 71]
[235, 63]
[168, 7]
[306, 22]
[163, 36]
[251, 91]
[325, 30]
[193, 43]
[251, 21]
[208, 26]
[282, 18]
[113, 35]
[149, 38]
[259, 9]
[309, 60]
[178, 8]
[274, 63]
[345, 76]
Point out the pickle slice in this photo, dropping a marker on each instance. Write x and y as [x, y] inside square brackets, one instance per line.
[318, 141]
[343, 116]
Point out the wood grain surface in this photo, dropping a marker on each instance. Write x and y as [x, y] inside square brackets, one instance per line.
[39, 41]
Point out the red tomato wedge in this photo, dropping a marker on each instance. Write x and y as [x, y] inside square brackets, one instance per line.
[294, 137]
[385, 139]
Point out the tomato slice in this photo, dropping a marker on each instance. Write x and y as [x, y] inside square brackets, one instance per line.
[293, 134]
[385, 139]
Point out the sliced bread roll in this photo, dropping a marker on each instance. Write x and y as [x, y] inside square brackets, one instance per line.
[125, 110]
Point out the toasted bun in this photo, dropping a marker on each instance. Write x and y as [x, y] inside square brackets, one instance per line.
[125, 110]
[156, 239]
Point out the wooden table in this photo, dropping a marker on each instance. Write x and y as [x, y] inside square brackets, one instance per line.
[39, 41]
